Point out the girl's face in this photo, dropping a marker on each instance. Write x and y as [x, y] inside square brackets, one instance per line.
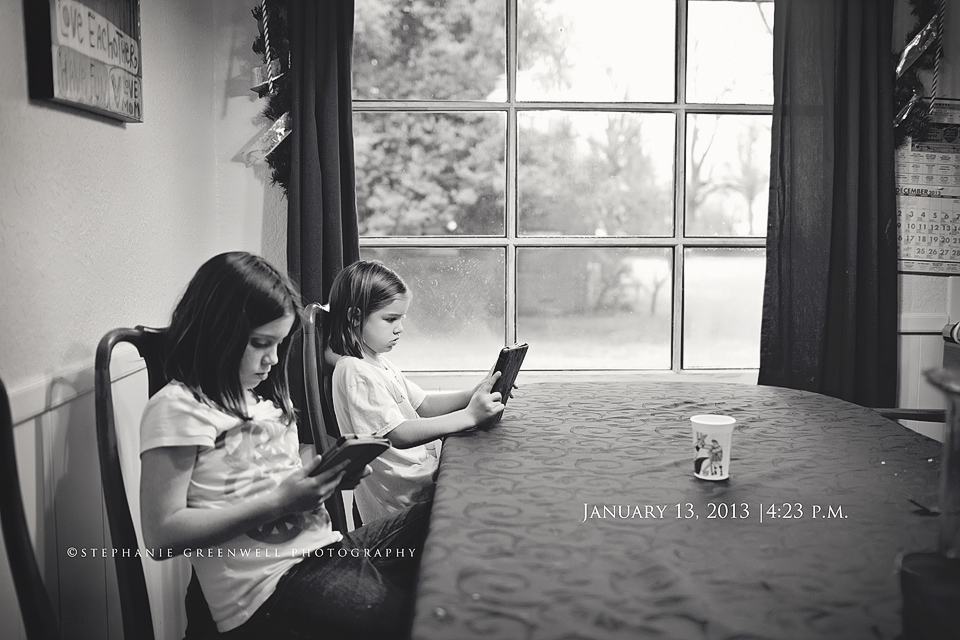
[261, 352]
[383, 327]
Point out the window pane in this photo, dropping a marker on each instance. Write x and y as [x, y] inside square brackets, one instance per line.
[728, 175]
[430, 173]
[599, 51]
[456, 319]
[722, 298]
[730, 52]
[595, 174]
[428, 50]
[595, 308]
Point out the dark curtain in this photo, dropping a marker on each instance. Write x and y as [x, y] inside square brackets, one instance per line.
[321, 195]
[830, 297]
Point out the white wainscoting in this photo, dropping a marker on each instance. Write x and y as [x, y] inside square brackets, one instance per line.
[55, 436]
[921, 348]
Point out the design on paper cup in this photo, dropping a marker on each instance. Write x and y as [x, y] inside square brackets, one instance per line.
[709, 459]
[711, 444]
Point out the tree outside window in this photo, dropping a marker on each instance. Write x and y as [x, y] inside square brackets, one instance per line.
[589, 178]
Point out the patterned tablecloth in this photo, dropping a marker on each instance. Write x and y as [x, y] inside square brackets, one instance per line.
[578, 516]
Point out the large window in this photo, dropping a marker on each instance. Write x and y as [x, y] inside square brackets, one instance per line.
[589, 177]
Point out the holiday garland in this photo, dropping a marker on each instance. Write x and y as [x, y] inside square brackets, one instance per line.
[272, 81]
[921, 53]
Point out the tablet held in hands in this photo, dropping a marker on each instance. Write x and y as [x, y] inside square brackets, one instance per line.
[508, 364]
[358, 450]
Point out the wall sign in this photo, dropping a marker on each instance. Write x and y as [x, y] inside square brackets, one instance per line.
[86, 54]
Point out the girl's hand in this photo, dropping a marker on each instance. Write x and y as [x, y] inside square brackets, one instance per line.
[351, 482]
[299, 492]
[490, 373]
[485, 404]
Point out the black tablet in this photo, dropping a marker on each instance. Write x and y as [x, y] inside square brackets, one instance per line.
[359, 450]
[508, 364]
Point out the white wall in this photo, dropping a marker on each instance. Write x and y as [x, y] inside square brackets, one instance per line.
[102, 222]
[101, 225]
[251, 213]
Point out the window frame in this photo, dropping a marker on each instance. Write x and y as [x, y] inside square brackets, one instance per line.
[512, 241]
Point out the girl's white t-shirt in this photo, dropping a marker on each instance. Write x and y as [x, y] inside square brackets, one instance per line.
[237, 460]
[375, 399]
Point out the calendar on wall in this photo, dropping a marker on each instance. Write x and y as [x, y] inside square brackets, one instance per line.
[928, 196]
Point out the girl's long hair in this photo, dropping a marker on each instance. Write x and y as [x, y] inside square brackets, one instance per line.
[360, 289]
[231, 295]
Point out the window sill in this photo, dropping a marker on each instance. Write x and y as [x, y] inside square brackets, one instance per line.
[454, 380]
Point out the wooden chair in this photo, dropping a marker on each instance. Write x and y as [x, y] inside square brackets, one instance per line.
[920, 415]
[317, 374]
[39, 619]
[317, 377]
[951, 360]
[134, 600]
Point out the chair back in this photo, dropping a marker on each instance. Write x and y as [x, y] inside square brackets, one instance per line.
[948, 381]
[39, 619]
[317, 376]
[951, 360]
[134, 601]
[920, 415]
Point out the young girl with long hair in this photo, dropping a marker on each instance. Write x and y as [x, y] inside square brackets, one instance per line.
[222, 479]
[368, 302]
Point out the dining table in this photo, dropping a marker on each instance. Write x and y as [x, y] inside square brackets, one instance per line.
[578, 516]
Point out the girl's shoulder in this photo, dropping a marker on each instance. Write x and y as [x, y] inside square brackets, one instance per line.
[177, 397]
[351, 362]
[178, 401]
[351, 370]
[349, 366]
[347, 362]
[176, 392]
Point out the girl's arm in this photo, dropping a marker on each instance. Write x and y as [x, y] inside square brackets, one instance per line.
[438, 403]
[480, 407]
[443, 402]
[168, 523]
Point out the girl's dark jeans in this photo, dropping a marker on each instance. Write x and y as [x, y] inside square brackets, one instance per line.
[361, 587]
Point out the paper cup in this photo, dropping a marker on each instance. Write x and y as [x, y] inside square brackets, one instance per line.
[711, 446]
